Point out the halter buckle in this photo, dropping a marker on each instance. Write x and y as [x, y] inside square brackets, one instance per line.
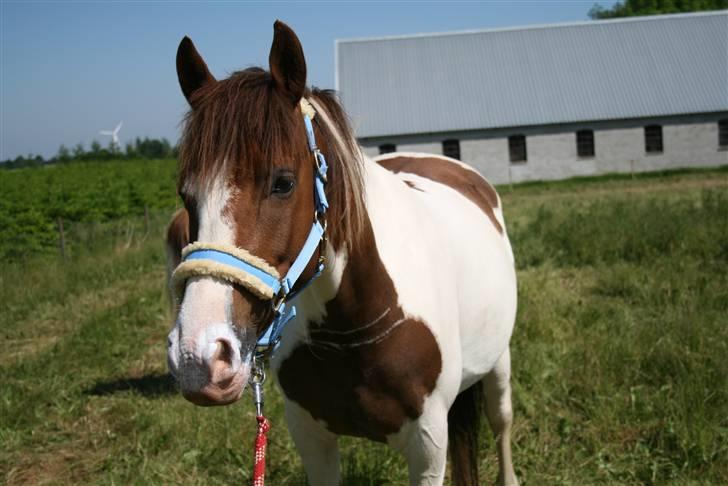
[321, 166]
[279, 300]
[322, 245]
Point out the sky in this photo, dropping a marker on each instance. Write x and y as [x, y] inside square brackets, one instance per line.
[69, 69]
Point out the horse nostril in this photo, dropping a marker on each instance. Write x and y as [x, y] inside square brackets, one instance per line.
[224, 352]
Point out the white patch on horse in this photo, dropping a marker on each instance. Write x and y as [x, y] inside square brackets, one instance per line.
[317, 446]
[208, 301]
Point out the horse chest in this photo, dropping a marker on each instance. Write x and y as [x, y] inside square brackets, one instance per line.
[369, 390]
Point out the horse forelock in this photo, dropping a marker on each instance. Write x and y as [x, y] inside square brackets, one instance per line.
[241, 121]
[242, 127]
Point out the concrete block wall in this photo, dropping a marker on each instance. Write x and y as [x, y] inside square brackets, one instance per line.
[688, 141]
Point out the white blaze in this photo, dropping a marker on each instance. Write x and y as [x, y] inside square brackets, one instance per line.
[205, 315]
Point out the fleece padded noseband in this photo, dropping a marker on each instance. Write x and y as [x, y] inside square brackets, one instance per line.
[228, 263]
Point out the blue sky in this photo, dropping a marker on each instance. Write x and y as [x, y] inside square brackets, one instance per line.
[69, 69]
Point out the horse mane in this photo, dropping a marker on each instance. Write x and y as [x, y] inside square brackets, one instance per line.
[243, 119]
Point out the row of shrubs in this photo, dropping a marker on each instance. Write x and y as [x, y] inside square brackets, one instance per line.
[33, 199]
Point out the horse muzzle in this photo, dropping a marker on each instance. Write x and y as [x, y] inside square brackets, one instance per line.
[211, 367]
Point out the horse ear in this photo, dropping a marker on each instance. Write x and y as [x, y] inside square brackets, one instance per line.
[287, 63]
[191, 69]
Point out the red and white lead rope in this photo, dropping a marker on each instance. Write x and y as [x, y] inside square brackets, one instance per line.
[261, 441]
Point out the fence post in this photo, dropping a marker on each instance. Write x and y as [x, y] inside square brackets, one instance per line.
[61, 238]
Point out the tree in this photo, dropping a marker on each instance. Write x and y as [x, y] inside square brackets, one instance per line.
[114, 149]
[64, 155]
[131, 152]
[95, 152]
[629, 8]
[153, 148]
[78, 151]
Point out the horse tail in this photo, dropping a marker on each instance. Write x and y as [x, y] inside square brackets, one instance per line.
[463, 422]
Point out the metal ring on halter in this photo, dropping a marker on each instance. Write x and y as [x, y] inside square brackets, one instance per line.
[257, 374]
[256, 380]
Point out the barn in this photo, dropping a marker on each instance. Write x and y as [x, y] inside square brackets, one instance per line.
[547, 102]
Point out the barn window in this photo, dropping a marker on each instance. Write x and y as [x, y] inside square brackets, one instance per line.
[517, 148]
[653, 139]
[723, 133]
[585, 143]
[387, 148]
[451, 148]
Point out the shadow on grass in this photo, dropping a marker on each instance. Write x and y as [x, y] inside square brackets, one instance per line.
[152, 385]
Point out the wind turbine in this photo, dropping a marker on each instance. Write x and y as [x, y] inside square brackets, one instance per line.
[114, 135]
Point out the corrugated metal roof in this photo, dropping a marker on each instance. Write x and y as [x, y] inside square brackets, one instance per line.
[597, 70]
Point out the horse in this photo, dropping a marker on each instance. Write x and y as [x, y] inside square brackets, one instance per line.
[402, 337]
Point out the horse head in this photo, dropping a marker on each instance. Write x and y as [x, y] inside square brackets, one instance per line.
[247, 181]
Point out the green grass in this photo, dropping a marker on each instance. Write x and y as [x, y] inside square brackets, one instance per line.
[620, 353]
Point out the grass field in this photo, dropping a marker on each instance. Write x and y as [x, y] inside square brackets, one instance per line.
[620, 354]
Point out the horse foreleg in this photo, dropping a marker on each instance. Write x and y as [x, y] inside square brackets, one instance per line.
[500, 415]
[317, 446]
[423, 443]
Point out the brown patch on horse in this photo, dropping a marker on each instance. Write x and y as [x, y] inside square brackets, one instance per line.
[251, 313]
[178, 236]
[367, 381]
[467, 182]
[412, 185]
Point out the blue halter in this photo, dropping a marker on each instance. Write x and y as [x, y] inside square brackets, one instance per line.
[282, 289]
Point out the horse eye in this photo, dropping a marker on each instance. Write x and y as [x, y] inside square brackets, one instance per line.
[283, 185]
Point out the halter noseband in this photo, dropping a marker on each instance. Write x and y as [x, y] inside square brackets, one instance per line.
[239, 266]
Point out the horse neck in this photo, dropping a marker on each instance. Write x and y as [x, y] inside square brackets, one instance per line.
[355, 296]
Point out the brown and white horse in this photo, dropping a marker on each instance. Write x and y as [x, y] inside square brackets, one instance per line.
[410, 321]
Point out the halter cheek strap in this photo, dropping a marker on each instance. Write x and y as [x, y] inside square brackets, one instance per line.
[239, 266]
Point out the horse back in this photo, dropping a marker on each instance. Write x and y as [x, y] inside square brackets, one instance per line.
[449, 172]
